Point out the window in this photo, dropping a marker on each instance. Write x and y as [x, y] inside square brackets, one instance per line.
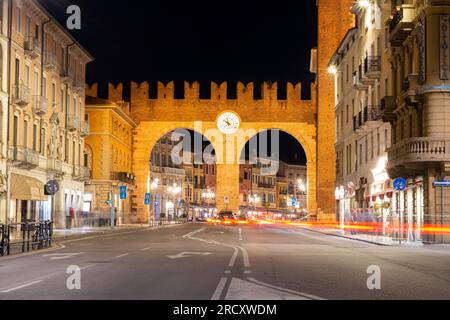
[42, 141]
[34, 137]
[371, 147]
[44, 87]
[27, 75]
[25, 134]
[67, 150]
[348, 112]
[36, 83]
[53, 96]
[15, 130]
[28, 26]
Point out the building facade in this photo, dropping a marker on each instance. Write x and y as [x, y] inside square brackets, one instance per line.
[362, 137]
[108, 156]
[45, 117]
[417, 107]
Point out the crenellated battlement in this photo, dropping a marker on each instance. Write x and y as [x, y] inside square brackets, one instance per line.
[191, 106]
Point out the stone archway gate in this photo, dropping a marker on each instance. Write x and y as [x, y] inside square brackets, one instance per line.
[156, 117]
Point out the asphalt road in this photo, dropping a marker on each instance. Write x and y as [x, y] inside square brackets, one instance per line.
[202, 262]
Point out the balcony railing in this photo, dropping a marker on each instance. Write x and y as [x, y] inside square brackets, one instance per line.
[73, 123]
[50, 60]
[21, 95]
[124, 177]
[31, 47]
[66, 74]
[40, 105]
[419, 150]
[372, 67]
[387, 109]
[371, 113]
[401, 24]
[358, 80]
[168, 170]
[54, 166]
[84, 130]
[266, 185]
[81, 173]
[24, 157]
[78, 84]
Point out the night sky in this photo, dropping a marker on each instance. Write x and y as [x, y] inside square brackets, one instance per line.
[197, 40]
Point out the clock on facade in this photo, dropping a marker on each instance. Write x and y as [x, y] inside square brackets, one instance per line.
[228, 122]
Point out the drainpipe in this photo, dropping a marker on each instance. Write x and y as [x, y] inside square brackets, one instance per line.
[8, 110]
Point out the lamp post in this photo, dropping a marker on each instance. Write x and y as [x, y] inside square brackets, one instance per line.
[208, 195]
[153, 186]
[175, 190]
[254, 199]
[301, 187]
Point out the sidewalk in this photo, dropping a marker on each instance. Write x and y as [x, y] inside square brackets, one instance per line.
[83, 232]
[378, 240]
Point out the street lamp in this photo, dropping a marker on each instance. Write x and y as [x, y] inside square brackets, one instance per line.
[175, 190]
[255, 199]
[153, 186]
[208, 195]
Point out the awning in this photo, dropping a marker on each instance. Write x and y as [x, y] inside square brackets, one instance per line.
[26, 188]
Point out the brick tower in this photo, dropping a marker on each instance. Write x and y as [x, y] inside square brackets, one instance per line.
[334, 19]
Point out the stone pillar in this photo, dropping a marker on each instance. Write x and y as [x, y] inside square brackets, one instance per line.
[227, 184]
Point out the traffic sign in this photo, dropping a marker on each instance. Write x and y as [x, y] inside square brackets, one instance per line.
[442, 183]
[123, 192]
[399, 184]
[52, 187]
[147, 199]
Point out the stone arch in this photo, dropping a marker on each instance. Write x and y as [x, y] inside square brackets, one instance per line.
[306, 138]
[146, 135]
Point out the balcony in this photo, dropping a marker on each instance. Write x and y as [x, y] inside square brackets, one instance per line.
[372, 67]
[78, 84]
[73, 123]
[54, 166]
[21, 95]
[367, 119]
[31, 47]
[410, 90]
[168, 170]
[24, 158]
[401, 24]
[413, 152]
[124, 177]
[84, 130]
[387, 108]
[66, 75]
[81, 173]
[357, 80]
[40, 105]
[266, 186]
[50, 61]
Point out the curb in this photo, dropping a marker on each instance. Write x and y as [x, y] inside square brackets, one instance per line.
[58, 242]
[350, 238]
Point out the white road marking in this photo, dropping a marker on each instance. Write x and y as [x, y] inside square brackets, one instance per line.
[247, 271]
[146, 249]
[89, 266]
[22, 286]
[61, 256]
[219, 289]
[240, 235]
[233, 257]
[306, 295]
[122, 255]
[187, 254]
[245, 256]
[227, 271]
[245, 290]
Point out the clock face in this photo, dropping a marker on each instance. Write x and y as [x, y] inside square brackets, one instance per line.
[228, 122]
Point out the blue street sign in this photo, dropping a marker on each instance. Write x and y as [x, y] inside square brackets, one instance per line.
[442, 183]
[147, 199]
[399, 184]
[294, 202]
[123, 192]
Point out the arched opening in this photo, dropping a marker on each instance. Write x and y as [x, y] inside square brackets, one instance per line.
[183, 176]
[273, 177]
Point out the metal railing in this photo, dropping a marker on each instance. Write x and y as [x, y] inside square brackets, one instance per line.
[372, 64]
[40, 105]
[21, 95]
[123, 177]
[73, 123]
[24, 157]
[85, 129]
[25, 236]
[50, 60]
[31, 46]
[419, 149]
